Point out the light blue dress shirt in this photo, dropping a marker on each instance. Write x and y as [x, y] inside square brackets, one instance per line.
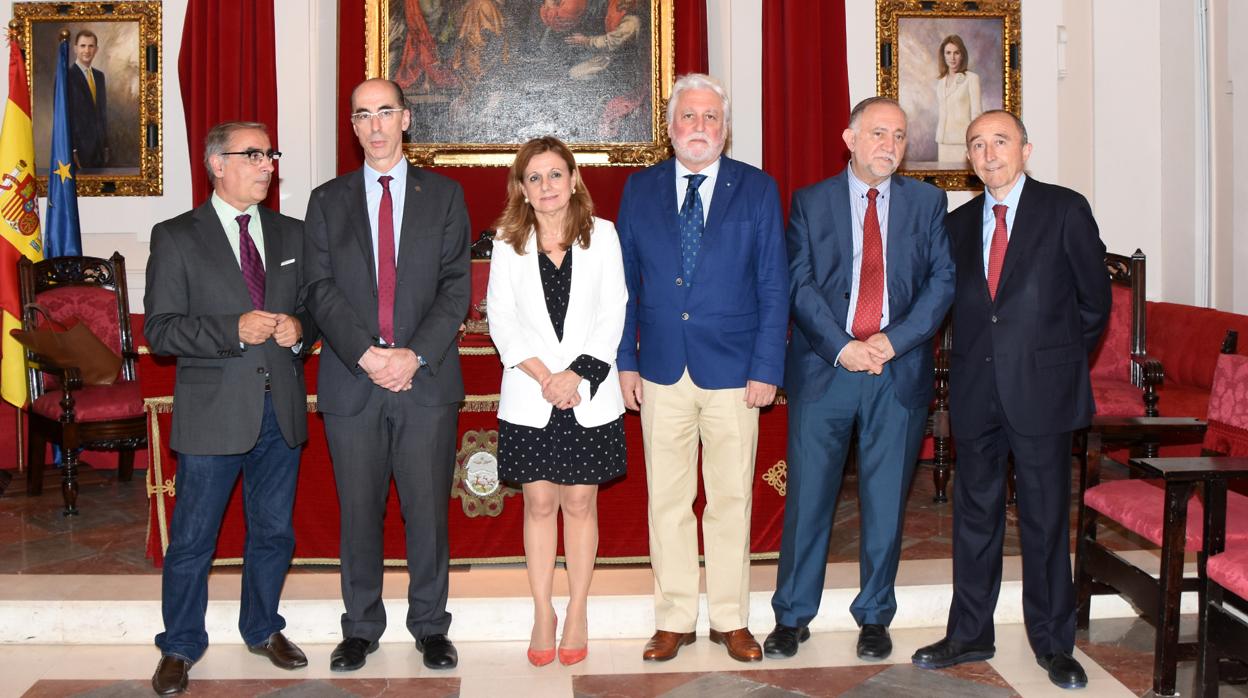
[990, 219]
[372, 194]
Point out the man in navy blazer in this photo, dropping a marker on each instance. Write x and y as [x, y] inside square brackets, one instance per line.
[871, 279]
[703, 350]
[88, 104]
[1032, 300]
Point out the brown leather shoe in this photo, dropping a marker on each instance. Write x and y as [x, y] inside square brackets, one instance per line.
[740, 643]
[171, 676]
[282, 652]
[664, 645]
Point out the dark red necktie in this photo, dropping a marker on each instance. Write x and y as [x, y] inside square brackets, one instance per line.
[385, 261]
[996, 251]
[249, 261]
[871, 276]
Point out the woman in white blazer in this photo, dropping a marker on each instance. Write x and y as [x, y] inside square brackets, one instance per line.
[957, 99]
[556, 310]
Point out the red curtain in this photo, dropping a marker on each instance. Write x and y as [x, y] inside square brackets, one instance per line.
[805, 92]
[228, 70]
[485, 188]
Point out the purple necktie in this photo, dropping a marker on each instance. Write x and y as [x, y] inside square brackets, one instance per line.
[249, 260]
[385, 261]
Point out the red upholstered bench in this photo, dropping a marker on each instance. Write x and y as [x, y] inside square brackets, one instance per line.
[1183, 338]
[1230, 569]
[1139, 505]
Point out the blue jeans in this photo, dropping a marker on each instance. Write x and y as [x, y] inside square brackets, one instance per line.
[204, 483]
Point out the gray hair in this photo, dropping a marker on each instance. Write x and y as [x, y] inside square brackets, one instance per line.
[697, 81]
[860, 108]
[218, 139]
[1017, 123]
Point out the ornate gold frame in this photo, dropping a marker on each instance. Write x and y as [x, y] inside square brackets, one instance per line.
[662, 13]
[887, 12]
[149, 181]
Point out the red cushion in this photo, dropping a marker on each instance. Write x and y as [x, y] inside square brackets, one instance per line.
[1139, 505]
[1117, 398]
[1230, 570]
[1186, 340]
[1175, 400]
[95, 403]
[1112, 358]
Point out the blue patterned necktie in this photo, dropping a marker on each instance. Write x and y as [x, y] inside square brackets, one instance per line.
[249, 260]
[691, 226]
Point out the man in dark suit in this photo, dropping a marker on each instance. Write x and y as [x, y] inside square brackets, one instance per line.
[390, 383]
[703, 350]
[1032, 300]
[222, 295]
[88, 105]
[871, 279]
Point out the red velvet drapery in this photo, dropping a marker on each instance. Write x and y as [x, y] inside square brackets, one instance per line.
[228, 70]
[485, 188]
[805, 92]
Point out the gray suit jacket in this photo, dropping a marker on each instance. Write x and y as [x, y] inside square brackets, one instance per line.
[194, 297]
[433, 287]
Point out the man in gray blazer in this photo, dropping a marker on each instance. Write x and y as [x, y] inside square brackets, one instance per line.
[223, 283]
[389, 285]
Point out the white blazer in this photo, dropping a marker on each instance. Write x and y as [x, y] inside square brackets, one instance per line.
[520, 326]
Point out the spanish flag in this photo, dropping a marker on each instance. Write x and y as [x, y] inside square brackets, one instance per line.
[19, 206]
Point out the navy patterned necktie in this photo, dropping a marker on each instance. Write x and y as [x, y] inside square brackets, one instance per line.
[249, 261]
[692, 224]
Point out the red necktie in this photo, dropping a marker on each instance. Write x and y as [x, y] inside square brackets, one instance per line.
[249, 260]
[996, 252]
[871, 276]
[385, 261]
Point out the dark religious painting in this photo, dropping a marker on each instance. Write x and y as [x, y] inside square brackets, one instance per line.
[947, 62]
[483, 76]
[112, 91]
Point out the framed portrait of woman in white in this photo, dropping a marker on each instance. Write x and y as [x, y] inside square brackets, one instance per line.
[947, 62]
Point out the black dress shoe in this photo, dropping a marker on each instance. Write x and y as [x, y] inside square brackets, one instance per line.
[873, 642]
[282, 652]
[783, 641]
[1064, 670]
[947, 653]
[171, 676]
[351, 653]
[439, 651]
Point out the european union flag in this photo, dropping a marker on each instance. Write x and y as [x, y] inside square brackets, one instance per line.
[62, 236]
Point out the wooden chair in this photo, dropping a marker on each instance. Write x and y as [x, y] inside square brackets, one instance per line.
[1223, 632]
[1154, 505]
[62, 409]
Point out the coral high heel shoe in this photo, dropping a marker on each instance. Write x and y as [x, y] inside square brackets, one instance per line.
[544, 657]
[570, 657]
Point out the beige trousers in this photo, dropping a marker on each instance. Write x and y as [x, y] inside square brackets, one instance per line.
[673, 419]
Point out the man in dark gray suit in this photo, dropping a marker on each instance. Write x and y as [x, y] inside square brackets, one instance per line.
[389, 284]
[223, 285]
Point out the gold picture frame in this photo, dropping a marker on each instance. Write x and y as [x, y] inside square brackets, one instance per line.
[482, 77]
[937, 58]
[128, 45]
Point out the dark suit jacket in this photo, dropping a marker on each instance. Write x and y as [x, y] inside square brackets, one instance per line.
[1052, 304]
[433, 286]
[195, 294]
[730, 324]
[88, 121]
[821, 268]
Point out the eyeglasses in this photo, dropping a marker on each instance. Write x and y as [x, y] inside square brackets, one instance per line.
[383, 116]
[256, 156]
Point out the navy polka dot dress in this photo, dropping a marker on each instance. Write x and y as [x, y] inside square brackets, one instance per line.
[563, 452]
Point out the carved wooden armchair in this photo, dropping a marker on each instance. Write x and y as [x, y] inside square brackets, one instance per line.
[62, 409]
[1153, 503]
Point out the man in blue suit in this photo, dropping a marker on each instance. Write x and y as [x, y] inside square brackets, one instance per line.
[703, 350]
[871, 278]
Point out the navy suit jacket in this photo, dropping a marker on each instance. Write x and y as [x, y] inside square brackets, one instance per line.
[88, 119]
[1033, 340]
[728, 325]
[821, 268]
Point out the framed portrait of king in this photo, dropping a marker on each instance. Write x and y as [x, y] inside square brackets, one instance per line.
[946, 62]
[112, 91]
[482, 77]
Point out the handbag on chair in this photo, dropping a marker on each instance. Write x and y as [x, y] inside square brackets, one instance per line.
[70, 346]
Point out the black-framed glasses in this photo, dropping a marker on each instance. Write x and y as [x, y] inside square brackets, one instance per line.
[383, 116]
[256, 156]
